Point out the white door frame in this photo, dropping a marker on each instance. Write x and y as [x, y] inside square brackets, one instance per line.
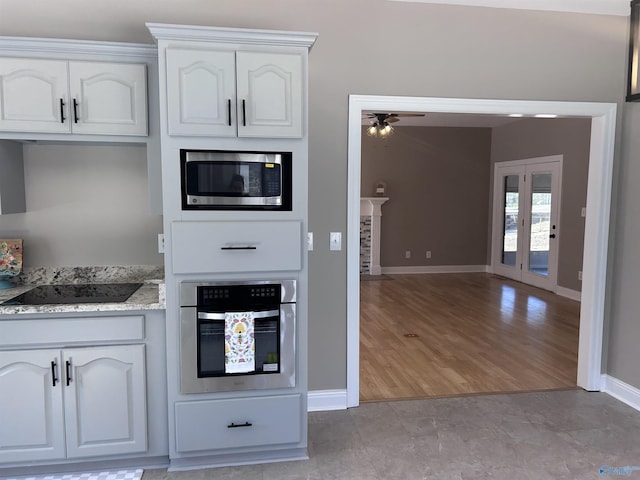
[551, 280]
[603, 121]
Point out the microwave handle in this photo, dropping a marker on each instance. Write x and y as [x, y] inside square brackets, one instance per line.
[221, 316]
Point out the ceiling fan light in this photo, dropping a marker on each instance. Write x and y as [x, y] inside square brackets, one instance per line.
[373, 130]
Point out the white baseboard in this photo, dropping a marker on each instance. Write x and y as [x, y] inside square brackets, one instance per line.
[622, 391]
[567, 292]
[436, 269]
[323, 400]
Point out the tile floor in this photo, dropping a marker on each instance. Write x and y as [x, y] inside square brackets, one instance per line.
[545, 435]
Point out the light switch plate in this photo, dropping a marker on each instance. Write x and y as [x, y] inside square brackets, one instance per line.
[335, 241]
[310, 241]
[161, 243]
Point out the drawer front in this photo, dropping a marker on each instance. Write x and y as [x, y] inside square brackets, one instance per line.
[219, 247]
[66, 331]
[233, 423]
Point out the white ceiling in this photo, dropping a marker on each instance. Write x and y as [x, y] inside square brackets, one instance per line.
[598, 7]
[448, 120]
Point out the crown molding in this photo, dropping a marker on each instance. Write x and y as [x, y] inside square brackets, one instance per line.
[52, 47]
[596, 7]
[231, 35]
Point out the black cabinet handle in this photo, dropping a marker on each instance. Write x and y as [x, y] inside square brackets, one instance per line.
[54, 379]
[229, 111]
[244, 113]
[75, 111]
[239, 425]
[68, 369]
[553, 235]
[62, 118]
[248, 247]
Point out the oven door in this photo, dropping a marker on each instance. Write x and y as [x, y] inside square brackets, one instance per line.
[216, 357]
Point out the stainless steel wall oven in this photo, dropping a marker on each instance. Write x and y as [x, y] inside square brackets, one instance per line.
[237, 335]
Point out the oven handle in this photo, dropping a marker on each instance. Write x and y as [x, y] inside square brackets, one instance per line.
[221, 316]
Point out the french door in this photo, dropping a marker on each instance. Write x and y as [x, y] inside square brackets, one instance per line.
[526, 223]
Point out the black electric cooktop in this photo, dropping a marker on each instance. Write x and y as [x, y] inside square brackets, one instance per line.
[75, 293]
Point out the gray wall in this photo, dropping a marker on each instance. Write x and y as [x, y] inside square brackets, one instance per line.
[86, 205]
[434, 51]
[438, 183]
[569, 137]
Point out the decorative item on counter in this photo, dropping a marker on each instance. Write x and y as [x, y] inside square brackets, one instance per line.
[381, 188]
[239, 343]
[10, 261]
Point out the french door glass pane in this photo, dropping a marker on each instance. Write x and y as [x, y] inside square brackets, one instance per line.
[510, 223]
[540, 223]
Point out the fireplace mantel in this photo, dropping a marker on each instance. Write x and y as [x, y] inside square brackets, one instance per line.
[372, 207]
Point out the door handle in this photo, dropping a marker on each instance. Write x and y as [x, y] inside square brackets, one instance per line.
[54, 378]
[68, 372]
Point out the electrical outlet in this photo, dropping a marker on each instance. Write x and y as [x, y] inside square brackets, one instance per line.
[428, 253]
[407, 254]
[580, 275]
[310, 241]
[161, 243]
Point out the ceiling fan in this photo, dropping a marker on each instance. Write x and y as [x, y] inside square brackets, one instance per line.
[380, 123]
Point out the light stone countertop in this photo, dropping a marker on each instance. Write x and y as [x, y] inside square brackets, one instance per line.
[150, 296]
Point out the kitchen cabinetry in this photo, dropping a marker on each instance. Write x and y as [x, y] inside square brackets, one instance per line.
[72, 402]
[59, 96]
[204, 247]
[216, 92]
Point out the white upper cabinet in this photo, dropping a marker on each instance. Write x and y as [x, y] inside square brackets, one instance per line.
[108, 98]
[226, 93]
[269, 87]
[201, 92]
[59, 96]
[33, 95]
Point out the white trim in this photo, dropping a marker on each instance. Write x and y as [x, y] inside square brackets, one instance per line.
[195, 33]
[603, 117]
[324, 400]
[436, 269]
[569, 293]
[63, 48]
[622, 391]
[598, 7]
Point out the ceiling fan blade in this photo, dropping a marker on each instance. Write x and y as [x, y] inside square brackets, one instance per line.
[392, 119]
[407, 114]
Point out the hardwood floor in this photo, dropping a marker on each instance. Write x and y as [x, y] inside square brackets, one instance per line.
[452, 334]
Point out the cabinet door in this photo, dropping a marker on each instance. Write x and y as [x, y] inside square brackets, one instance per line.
[105, 403]
[270, 93]
[31, 406]
[33, 95]
[201, 94]
[108, 98]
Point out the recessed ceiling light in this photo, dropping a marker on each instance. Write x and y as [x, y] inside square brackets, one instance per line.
[546, 115]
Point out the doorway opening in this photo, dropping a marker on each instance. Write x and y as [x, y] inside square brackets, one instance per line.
[596, 223]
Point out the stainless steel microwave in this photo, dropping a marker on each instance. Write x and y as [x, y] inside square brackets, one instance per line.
[232, 180]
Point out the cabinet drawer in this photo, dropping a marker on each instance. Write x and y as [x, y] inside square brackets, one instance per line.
[207, 247]
[211, 425]
[66, 331]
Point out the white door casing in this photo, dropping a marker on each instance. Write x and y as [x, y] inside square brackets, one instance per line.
[603, 119]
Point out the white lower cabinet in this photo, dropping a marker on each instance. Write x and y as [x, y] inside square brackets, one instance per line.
[72, 403]
[239, 422]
